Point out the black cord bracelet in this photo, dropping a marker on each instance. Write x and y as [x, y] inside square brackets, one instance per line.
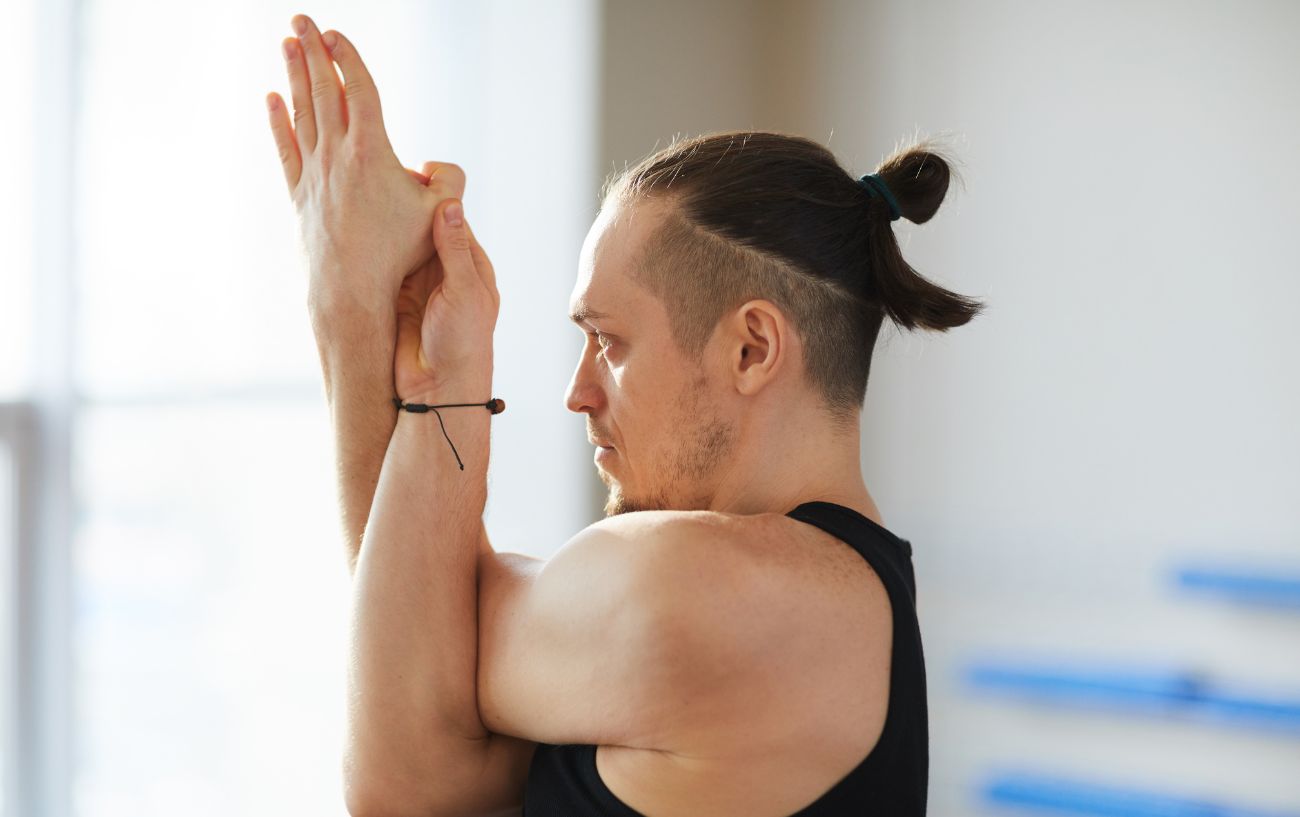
[496, 405]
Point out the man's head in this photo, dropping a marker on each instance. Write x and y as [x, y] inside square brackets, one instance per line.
[733, 285]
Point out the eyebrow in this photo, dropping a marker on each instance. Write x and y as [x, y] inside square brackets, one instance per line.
[585, 312]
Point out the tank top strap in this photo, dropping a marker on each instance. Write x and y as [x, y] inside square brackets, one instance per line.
[889, 554]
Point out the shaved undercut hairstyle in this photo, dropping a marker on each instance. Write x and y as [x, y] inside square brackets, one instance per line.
[765, 215]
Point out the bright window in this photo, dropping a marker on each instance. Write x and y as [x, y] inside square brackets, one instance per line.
[208, 601]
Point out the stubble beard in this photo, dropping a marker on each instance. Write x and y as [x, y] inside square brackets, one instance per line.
[695, 458]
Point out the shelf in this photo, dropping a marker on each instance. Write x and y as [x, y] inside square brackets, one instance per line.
[1171, 693]
[1045, 794]
[1244, 586]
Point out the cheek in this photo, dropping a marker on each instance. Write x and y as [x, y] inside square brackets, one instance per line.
[646, 404]
[630, 395]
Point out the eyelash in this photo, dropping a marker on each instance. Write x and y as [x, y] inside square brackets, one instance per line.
[599, 337]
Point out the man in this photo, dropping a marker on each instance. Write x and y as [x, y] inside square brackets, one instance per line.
[725, 653]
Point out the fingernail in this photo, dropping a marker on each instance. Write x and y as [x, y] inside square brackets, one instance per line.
[289, 48]
[300, 25]
[453, 214]
[330, 40]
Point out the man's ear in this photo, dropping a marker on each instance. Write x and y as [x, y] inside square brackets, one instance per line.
[757, 341]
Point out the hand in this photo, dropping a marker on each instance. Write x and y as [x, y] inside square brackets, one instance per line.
[364, 218]
[446, 313]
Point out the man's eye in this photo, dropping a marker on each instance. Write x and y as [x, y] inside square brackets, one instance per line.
[600, 339]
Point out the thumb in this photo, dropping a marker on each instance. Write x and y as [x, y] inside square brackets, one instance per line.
[451, 239]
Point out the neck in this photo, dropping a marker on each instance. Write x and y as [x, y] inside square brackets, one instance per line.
[787, 460]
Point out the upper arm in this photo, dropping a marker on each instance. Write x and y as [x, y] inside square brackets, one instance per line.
[564, 653]
[491, 781]
[529, 628]
[632, 634]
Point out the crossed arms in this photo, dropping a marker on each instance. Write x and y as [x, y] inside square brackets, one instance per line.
[463, 658]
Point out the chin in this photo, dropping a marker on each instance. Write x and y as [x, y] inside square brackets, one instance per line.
[619, 503]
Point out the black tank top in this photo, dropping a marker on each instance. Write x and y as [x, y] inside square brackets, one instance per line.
[892, 779]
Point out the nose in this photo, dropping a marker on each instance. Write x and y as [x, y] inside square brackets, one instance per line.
[583, 393]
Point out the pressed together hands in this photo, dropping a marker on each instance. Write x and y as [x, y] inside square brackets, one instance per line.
[403, 302]
[381, 239]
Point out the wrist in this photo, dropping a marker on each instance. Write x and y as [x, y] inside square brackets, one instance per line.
[462, 391]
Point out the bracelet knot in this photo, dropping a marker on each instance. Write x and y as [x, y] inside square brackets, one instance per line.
[496, 405]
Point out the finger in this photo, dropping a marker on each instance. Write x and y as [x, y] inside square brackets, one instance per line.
[446, 179]
[451, 241]
[481, 262]
[361, 97]
[418, 176]
[285, 143]
[326, 90]
[304, 118]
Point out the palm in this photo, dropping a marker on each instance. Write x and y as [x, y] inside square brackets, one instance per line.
[410, 369]
[438, 181]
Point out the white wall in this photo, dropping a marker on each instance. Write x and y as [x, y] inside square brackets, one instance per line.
[1129, 399]
[513, 101]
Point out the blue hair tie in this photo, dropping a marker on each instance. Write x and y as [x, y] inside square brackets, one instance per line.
[876, 186]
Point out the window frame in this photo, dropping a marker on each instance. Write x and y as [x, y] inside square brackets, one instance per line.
[37, 425]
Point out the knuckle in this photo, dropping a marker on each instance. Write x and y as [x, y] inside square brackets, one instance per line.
[373, 123]
[358, 88]
[448, 179]
[366, 143]
[359, 157]
[323, 88]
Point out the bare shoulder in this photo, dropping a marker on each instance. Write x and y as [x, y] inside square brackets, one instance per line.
[784, 555]
[782, 633]
[748, 560]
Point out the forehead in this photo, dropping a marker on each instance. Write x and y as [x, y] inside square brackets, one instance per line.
[604, 287]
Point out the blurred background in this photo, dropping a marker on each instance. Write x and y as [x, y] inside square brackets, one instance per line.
[1099, 475]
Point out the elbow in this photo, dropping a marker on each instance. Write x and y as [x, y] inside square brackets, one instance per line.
[381, 793]
[374, 802]
[368, 793]
[374, 808]
[362, 800]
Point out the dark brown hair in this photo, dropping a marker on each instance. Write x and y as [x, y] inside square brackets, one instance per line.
[754, 214]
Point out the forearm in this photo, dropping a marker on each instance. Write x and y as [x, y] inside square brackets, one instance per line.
[413, 718]
[355, 341]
